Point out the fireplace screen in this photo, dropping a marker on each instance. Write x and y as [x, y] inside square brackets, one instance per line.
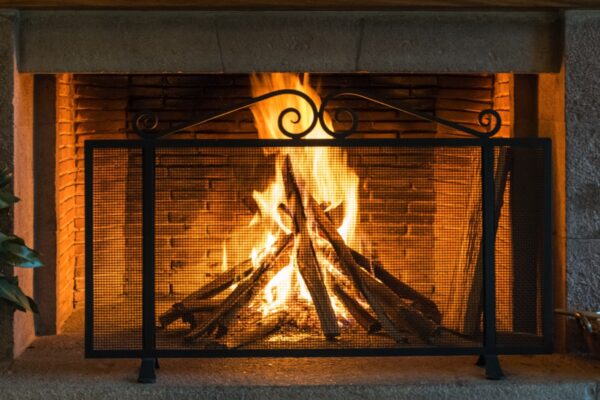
[317, 247]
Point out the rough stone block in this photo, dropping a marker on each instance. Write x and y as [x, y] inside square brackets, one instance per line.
[426, 42]
[289, 41]
[111, 41]
[582, 45]
[583, 273]
[233, 41]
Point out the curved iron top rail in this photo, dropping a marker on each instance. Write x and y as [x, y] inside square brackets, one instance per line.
[146, 123]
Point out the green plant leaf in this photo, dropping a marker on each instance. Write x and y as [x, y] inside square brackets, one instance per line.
[21, 251]
[17, 240]
[4, 238]
[13, 251]
[15, 261]
[30, 264]
[10, 291]
[33, 305]
[7, 199]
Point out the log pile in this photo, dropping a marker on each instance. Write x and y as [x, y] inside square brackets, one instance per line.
[380, 303]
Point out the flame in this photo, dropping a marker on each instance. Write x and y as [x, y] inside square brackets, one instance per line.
[224, 265]
[322, 172]
[259, 253]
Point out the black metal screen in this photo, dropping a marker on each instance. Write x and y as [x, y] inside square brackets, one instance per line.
[114, 247]
[189, 255]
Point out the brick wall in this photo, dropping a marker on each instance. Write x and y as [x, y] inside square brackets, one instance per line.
[101, 106]
[69, 203]
[86, 107]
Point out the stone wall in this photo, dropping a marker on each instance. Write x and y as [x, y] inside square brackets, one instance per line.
[582, 103]
[70, 242]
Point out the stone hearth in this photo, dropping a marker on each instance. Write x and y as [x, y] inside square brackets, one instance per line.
[54, 368]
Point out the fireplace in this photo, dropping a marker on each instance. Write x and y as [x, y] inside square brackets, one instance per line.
[321, 222]
[78, 76]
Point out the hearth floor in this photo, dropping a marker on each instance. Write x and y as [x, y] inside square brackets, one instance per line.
[54, 368]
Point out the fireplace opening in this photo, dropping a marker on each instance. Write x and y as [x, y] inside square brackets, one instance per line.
[402, 195]
[103, 106]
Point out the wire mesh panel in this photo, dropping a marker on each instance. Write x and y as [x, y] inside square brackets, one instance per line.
[116, 279]
[376, 245]
[408, 219]
[520, 243]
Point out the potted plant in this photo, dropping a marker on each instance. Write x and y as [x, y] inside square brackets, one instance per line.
[14, 253]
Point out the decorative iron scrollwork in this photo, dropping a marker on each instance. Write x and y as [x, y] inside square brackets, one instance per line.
[146, 124]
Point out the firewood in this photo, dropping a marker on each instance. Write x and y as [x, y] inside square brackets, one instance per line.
[421, 302]
[261, 329]
[233, 317]
[194, 319]
[362, 316]
[392, 328]
[400, 312]
[221, 282]
[312, 275]
[392, 312]
[250, 204]
[425, 328]
[242, 290]
[181, 310]
[308, 264]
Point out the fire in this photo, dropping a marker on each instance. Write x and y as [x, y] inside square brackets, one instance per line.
[324, 170]
[321, 172]
[224, 263]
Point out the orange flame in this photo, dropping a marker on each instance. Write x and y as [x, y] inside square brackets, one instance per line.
[322, 172]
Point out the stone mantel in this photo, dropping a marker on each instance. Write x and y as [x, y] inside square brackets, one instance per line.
[244, 41]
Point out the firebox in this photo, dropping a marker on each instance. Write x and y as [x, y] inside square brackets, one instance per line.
[307, 241]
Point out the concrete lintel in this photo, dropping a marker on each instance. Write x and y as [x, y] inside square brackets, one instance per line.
[238, 41]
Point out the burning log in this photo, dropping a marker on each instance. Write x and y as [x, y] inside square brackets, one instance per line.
[236, 297]
[222, 281]
[194, 319]
[362, 316]
[311, 273]
[184, 309]
[393, 313]
[425, 305]
[263, 328]
[353, 269]
[419, 323]
[250, 204]
[307, 259]
[421, 302]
